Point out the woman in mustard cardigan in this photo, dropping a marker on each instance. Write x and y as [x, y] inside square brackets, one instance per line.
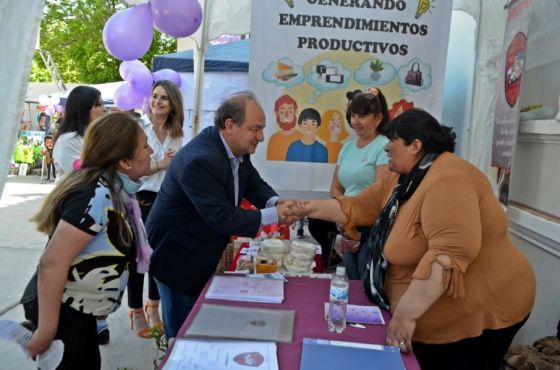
[441, 259]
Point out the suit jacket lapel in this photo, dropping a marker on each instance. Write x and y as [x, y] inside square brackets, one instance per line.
[230, 190]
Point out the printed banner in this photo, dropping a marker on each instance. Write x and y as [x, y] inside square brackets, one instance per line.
[506, 118]
[306, 55]
[32, 137]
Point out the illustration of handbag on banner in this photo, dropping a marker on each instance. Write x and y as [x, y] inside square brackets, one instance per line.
[414, 75]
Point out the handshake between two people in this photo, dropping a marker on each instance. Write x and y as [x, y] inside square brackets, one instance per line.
[290, 210]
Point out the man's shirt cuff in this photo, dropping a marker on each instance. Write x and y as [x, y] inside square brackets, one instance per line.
[269, 216]
[272, 201]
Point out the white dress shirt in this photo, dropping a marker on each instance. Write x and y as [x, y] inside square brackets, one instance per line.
[153, 182]
[269, 215]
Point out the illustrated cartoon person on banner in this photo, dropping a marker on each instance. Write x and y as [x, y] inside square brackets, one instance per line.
[332, 132]
[285, 111]
[308, 149]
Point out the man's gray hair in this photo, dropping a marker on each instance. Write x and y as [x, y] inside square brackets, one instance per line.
[233, 108]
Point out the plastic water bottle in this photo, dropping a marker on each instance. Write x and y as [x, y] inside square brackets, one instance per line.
[338, 301]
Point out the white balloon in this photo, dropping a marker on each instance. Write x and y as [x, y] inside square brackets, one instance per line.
[44, 100]
[54, 100]
[134, 2]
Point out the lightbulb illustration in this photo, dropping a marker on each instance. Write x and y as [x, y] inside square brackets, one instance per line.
[423, 6]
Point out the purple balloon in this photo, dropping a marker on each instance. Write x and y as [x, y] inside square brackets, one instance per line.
[129, 65]
[140, 80]
[146, 104]
[177, 18]
[126, 98]
[49, 110]
[128, 34]
[167, 74]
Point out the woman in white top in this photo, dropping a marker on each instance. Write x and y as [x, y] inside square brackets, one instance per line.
[84, 104]
[163, 126]
[361, 161]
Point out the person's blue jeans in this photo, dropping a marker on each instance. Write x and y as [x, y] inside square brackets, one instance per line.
[175, 307]
[356, 263]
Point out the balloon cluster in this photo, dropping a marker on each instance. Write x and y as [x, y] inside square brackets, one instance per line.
[49, 105]
[128, 34]
[139, 80]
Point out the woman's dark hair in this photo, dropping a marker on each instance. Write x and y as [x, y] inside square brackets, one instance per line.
[350, 95]
[76, 110]
[418, 124]
[311, 114]
[369, 103]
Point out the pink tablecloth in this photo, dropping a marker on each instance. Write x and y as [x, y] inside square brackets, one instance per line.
[307, 297]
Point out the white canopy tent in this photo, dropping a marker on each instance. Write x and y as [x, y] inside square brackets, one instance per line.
[223, 16]
[226, 17]
[18, 46]
[219, 17]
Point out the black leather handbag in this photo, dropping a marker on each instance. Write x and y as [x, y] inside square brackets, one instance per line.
[414, 75]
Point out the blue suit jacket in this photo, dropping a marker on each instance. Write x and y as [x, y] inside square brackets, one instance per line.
[195, 214]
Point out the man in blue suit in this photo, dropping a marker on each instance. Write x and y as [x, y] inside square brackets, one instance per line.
[197, 208]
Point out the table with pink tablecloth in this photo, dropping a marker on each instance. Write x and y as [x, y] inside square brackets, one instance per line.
[307, 296]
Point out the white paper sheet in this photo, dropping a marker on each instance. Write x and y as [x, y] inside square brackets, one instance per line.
[222, 355]
[14, 332]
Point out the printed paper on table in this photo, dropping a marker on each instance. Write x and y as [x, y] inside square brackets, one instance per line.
[221, 355]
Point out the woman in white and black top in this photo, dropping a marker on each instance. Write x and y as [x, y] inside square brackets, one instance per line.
[93, 236]
[163, 126]
[83, 106]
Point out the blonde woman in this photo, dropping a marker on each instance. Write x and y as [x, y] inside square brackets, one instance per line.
[83, 271]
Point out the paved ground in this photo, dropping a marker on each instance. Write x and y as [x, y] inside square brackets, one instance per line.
[20, 249]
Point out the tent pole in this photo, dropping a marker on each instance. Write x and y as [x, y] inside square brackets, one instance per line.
[199, 57]
[199, 54]
[469, 129]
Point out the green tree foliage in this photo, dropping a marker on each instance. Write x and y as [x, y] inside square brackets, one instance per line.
[72, 31]
[38, 71]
